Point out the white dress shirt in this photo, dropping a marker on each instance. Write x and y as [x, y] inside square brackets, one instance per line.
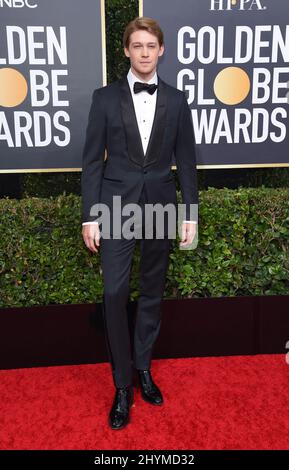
[144, 105]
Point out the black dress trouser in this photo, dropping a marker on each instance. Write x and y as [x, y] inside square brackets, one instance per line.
[116, 259]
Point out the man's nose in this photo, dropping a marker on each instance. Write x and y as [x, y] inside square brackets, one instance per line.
[145, 52]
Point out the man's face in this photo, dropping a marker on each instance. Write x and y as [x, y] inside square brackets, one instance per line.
[144, 51]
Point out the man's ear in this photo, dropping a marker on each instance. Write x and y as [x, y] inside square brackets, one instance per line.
[125, 50]
[162, 50]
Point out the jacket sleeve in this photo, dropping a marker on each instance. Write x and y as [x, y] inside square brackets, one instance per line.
[93, 157]
[186, 161]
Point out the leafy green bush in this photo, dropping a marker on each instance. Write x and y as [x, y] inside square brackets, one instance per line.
[243, 249]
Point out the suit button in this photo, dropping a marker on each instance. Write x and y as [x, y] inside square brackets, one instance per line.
[145, 171]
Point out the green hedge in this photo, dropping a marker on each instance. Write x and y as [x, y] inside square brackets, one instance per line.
[243, 249]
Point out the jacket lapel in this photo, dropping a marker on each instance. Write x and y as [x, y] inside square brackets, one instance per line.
[134, 144]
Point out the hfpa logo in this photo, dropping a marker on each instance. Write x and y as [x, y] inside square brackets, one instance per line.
[237, 5]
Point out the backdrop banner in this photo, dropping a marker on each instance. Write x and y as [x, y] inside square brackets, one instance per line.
[232, 59]
[51, 59]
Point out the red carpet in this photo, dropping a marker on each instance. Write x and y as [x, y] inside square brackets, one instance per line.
[210, 403]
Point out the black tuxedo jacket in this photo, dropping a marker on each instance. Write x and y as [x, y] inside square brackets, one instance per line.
[112, 125]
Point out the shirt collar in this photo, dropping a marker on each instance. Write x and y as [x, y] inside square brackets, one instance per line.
[132, 78]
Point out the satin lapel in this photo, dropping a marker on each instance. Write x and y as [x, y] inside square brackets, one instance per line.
[158, 127]
[134, 143]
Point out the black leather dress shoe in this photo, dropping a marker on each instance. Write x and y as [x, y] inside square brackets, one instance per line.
[119, 413]
[149, 390]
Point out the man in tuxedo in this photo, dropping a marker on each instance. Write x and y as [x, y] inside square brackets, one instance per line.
[140, 121]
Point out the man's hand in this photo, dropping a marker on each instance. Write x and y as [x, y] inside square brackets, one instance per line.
[188, 233]
[91, 236]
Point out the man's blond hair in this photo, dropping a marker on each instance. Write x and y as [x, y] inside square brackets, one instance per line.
[143, 23]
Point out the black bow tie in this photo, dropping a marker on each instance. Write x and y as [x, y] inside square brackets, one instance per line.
[140, 86]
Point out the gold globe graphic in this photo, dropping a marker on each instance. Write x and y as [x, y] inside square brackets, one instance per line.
[13, 87]
[232, 85]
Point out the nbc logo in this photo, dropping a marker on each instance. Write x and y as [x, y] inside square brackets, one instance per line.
[17, 4]
[237, 4]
